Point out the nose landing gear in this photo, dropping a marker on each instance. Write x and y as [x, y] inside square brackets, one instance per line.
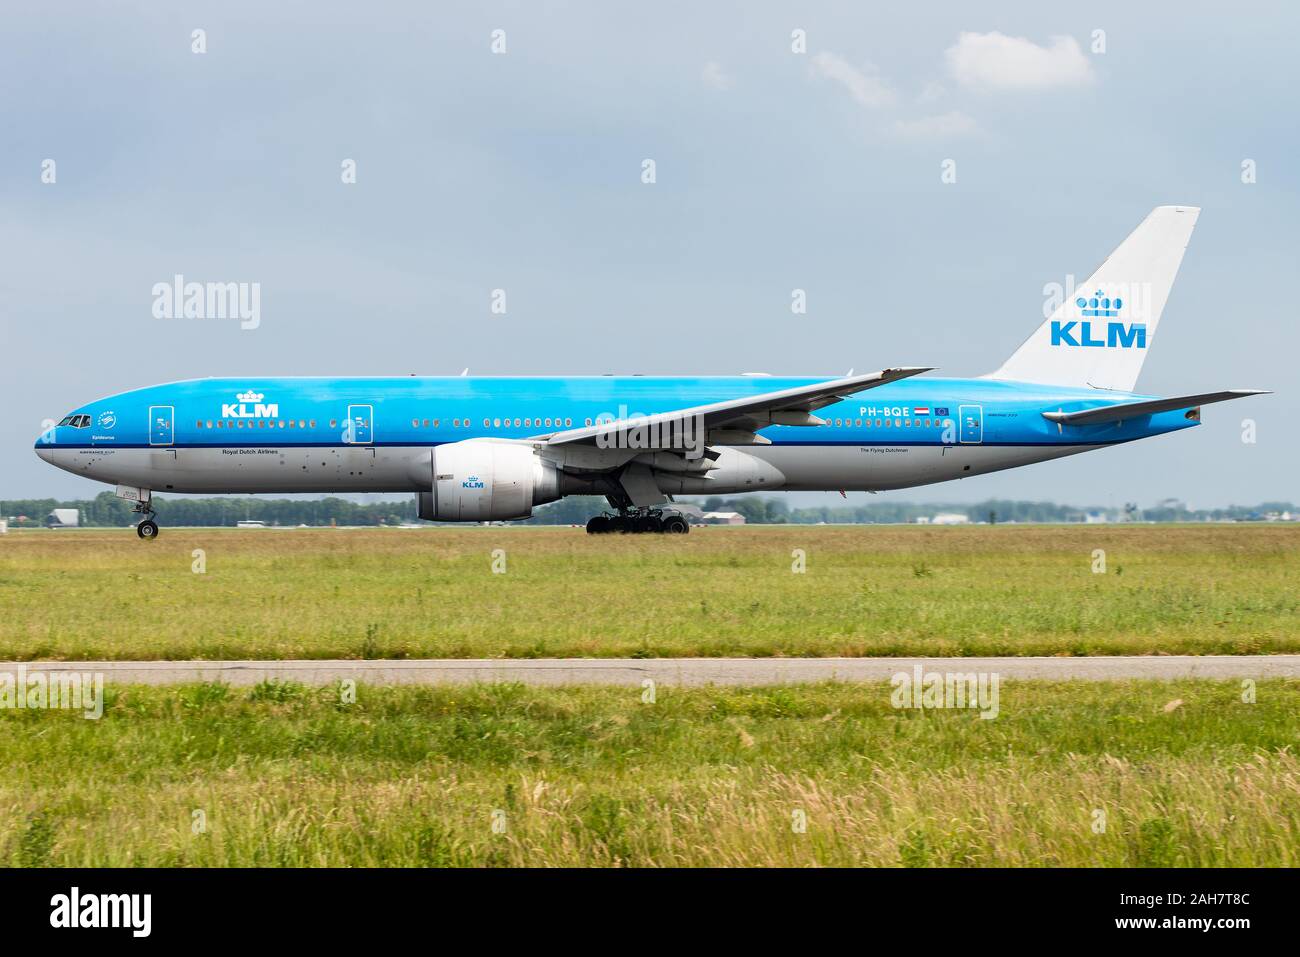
[147, 529]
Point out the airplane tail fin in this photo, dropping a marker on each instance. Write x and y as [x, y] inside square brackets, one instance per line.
[1099, 335]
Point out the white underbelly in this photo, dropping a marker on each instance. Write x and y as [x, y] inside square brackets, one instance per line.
[406, 469]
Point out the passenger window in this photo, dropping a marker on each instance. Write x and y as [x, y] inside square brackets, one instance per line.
[567, 423]
[311, 423]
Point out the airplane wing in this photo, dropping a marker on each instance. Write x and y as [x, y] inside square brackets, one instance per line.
[1131, 410]
[735, 421]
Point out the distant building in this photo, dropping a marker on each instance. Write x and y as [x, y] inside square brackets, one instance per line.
[63, 518]
[723, 518]
[950, 518]
[250, 523]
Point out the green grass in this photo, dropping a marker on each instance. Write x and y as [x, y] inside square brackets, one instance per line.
[285, 775]
[884, 590]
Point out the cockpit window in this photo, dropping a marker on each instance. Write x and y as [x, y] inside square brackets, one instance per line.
[77, 421]
[67, 420]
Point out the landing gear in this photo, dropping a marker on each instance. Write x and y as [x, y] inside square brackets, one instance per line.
[147, 529]
[638, 520]
[676, 525]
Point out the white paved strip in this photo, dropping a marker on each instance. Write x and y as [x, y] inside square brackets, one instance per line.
[670, 671]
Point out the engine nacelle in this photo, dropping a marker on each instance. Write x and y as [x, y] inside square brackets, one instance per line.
[487, 480]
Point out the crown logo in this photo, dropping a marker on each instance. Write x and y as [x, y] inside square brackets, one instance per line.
[1099, 305]
[249, 396]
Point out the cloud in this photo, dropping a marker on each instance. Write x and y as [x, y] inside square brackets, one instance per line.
[931, 92]
[994, 61]
[867, 88]
[935, 127]
[716, 77]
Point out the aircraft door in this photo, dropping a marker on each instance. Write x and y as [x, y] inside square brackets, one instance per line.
[971, 421]
[360, 425]
[161, 430]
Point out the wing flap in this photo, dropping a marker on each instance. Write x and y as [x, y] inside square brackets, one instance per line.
[738, 416]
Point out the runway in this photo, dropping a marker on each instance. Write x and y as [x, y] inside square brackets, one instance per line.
[669, 671]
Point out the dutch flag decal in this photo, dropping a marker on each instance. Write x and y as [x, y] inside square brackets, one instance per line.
[921, 410]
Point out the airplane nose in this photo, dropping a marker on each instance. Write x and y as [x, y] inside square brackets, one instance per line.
[43, 446]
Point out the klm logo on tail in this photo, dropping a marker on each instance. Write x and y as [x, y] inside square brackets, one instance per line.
[1118, 335]
[1099, 305]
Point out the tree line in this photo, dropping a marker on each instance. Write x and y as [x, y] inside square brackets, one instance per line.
[107, 510]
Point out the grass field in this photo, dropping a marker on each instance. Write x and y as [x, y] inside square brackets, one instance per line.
[883, 590]
[594, 776]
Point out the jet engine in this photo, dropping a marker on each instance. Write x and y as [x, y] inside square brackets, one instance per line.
[487, 480]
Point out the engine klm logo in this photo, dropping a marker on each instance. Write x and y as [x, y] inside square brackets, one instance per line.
[1079, 332]
[472, 482]
[250, 406]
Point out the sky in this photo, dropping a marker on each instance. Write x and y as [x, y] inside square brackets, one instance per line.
[922, 172]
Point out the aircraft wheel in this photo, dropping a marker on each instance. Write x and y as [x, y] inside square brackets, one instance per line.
[598, 525]
[676, 525]
[147, 530]
[649, 523]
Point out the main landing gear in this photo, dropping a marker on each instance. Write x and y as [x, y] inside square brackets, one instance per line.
[636, 520]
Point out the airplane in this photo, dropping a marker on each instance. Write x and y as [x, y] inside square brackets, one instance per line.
[480, 449]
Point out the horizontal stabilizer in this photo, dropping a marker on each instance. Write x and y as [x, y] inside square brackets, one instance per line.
[1131, 410]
